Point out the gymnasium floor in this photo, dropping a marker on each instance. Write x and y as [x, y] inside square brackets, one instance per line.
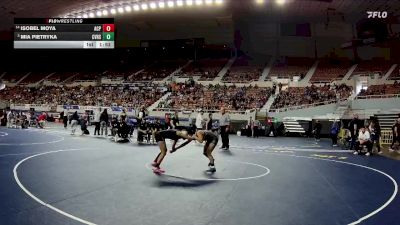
[50, 177]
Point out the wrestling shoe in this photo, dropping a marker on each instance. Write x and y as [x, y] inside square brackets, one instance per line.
[158, 170]
[211, 169]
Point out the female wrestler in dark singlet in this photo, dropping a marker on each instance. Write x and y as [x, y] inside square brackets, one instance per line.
[211, 140]
[160, 137]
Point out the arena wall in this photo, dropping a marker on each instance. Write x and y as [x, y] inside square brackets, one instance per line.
[306, 112]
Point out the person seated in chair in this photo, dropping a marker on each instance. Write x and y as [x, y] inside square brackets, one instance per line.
[18, 120]
[144, 131]
[155, 127]
[131, 126]
[124, 128]
[24, 121]
[115, 126]
[364, 139]
[84, 122]
[42, 120]
[10, 119]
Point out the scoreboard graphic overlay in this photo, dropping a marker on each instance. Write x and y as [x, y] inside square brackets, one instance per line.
[60, 33]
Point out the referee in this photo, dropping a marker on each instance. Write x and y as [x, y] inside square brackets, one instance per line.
[224, 123]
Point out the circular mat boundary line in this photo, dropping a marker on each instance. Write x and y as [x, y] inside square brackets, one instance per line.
[38, 199]
[297, 156]
[376, 211]
[38, 143]
[147, 165]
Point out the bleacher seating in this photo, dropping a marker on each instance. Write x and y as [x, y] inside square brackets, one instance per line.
[287, 67]
[79, 95]
[206, 69]
[383, 89]
[371, 67]
[123, 72]
[60, 77]
[158, 71]
[35, 77]
[13, 77]
[396, 73]
[87, 76]
[213, 97]
[328, 71]
[244, 70]
[296, 96]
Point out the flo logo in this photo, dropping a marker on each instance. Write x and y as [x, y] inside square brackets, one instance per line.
[377, 14]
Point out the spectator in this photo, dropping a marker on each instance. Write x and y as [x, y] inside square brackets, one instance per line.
[379, 90]
[317, 131]
[213, 97]
[104, 122]
[250, 127]
[102, 96]
[256, 126]
[224, 123]
[10, 118]
[168, 121]
[74, 121]
[115, 125]
[395, 134]
[142, 114]
[84, 122]
[310, 95]
[354, 127]
[174, 120]
[334, 133]
[42, 120]
[209, 122]
[200, 121]
[375, 131]
[364, 138]
[65, 118]
[3, 118]
[96, 120]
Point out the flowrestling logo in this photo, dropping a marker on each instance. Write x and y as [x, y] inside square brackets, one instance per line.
[377, 14]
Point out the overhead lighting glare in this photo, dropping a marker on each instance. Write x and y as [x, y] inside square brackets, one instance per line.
[128, 8]
[219, 2]
[121, 10]
[189, 2]
[105, 12]
[209, 2]
[136, 7]
[179, 3]
[280, 2]
[113, 11]
[161, 5]
[170, 4]
[144, 6]
[199, 2]
[153, 5]
[260, 2]
[99, 13]
[85, 15]
[91, 15]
